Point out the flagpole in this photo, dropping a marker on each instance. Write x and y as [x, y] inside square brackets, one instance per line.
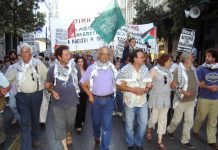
[126, 12]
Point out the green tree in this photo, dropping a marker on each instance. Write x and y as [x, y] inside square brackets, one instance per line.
[20, 16]
[177, 14]
[145, 13]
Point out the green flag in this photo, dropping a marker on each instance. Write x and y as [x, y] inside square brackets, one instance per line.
[109, 21]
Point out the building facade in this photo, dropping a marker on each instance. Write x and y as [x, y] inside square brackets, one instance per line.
[130, 10]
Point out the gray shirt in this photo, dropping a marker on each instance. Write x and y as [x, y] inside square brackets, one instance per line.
[67, 92]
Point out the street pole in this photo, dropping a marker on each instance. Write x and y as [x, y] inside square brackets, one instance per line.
[126, 10]
[46, 37]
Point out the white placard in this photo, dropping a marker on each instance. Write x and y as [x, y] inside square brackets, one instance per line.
[136, 31]
[186, 41]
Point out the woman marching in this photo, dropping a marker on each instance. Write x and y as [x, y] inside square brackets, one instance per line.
[159, 101]
[81, 107]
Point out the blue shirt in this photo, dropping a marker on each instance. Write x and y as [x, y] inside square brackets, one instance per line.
[210, 77]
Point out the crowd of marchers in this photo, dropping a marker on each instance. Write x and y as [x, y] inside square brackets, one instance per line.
[142, 92]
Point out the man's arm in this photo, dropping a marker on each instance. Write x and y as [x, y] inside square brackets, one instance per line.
[174, 83]
[49, 84]
[85, 88]
[50, 87]
[85, 85]
[43, 71]
[213, 88]
[127, 40]
[201, 78]
[138, 91]
[5, 86]
[10, 74]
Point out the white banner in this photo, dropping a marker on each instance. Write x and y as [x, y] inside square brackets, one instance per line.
[87, 39]
[136, 31]
[186, 40]
[29, 38]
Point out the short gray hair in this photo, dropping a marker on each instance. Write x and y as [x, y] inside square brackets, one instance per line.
[25, 45]
[184, 56]
[104, 47]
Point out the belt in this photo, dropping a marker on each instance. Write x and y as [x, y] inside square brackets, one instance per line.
[105, 96]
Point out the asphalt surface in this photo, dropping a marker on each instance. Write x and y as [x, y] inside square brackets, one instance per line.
[85, 141]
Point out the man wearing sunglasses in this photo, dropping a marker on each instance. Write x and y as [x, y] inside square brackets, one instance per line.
[134, 81]
[184, 78]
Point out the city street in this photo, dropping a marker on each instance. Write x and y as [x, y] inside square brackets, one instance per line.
[85, 141]
[108, 50]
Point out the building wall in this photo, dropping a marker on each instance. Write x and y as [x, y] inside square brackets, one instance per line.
[156, 3]
[131, 12]
[123, 8]
[54, 8]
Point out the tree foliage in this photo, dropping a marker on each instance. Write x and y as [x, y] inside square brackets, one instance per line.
[19, 16]
[145, 13]
[177, 14]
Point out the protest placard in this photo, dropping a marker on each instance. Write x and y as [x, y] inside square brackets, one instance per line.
[186, 41]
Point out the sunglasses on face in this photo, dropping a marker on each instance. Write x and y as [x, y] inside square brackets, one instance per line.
[32, 77]
[165, 80]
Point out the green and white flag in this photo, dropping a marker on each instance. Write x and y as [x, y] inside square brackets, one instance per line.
[109, 21]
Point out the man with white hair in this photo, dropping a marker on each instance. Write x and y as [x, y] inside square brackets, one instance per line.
[29, 75]
[101, 76]
[185, 80]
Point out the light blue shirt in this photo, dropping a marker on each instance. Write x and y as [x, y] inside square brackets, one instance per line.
[3, 81]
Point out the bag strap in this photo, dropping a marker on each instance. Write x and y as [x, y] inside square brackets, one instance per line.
[37, 78]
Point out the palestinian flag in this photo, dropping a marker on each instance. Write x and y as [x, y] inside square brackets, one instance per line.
[150, 34]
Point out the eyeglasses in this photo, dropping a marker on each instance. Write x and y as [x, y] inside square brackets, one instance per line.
[141, 57]
[25, 52]
[104, 54]
[165, 80]
[32, 77]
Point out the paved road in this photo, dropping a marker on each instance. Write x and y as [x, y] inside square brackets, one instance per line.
[85, 140]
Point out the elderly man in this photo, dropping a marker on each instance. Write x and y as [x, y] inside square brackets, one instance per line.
[62, 82]
[208, 98]
[101, 77]
[185, 78]
[29, 75]
[133, 79]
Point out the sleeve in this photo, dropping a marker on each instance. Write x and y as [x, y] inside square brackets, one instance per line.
[10, 74]
[200, 74]
[152, 73]
[86, 75]
[79, 73]
[125, 53]
[3, 81]
[50, 75]
[175, 76]
[43, 71]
